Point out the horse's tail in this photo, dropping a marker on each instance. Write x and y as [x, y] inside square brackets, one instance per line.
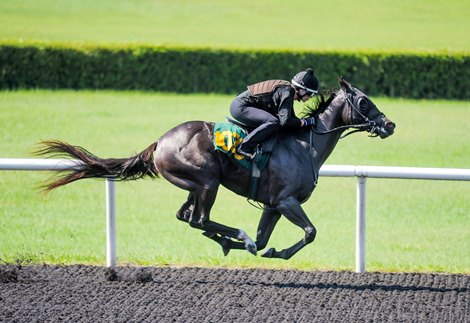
[91, 166]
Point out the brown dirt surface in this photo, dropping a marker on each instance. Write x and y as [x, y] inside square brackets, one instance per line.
[163, 294]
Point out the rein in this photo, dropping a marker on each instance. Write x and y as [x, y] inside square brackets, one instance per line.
[366, 126]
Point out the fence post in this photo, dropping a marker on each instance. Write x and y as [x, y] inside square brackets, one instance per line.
[110, 223]
[361, 225]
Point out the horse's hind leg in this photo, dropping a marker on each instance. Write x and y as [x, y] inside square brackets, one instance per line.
[195, 211]
[184, 213]
[222, 234]
[266, 225]
[227, 244]
[203, 204]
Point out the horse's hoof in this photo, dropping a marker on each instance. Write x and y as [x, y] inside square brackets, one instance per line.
[269, 253]
[252, 249]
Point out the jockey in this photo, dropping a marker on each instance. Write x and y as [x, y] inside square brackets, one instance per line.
[269, 106]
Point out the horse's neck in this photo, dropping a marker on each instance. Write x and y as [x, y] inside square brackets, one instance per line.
[324, 144]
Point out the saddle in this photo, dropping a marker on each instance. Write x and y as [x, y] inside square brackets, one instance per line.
[227, 137]
[265, 147]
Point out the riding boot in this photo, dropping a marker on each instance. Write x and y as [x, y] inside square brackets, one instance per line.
[248, 154]
[250, 143]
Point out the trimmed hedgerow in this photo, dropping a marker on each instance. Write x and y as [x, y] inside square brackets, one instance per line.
[189, 70]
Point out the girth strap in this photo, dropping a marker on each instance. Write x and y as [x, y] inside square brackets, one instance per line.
[263, 152]
[254, 183]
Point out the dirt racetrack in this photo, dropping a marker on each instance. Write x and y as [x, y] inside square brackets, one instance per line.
[163, 294]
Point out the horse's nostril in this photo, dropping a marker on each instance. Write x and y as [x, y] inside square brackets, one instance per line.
[389, 125]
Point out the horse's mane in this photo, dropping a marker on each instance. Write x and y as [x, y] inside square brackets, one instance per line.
[317, 105]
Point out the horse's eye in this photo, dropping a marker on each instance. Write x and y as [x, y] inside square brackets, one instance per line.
[363, 104]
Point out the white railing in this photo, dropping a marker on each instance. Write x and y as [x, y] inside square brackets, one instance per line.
[361, 172]
[63, 164]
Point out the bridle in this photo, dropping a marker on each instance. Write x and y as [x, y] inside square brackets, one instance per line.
[359, 121]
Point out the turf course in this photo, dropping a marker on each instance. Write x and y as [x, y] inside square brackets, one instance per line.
[336, 24]
[411, 225]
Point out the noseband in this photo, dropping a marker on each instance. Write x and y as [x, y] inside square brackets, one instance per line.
[357, 119]
[364, 123]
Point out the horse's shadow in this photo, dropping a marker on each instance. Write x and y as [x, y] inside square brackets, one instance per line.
[370, 287]
[353, 287]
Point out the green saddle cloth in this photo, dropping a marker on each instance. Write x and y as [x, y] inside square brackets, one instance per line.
[227, 137]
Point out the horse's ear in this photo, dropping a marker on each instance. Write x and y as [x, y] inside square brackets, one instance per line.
[345, 85]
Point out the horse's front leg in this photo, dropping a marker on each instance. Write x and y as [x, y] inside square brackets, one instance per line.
[292, 210]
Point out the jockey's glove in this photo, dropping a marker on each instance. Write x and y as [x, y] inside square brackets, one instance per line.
[307, 122]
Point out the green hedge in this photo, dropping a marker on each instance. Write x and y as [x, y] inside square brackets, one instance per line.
[189, 70]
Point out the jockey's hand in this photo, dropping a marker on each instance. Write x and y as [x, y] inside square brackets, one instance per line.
[308, 122]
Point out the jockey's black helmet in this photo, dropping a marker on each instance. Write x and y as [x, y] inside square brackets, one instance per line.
[306, 80]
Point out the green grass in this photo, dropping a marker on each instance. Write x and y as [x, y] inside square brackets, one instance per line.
[336, 24]
[411, 225]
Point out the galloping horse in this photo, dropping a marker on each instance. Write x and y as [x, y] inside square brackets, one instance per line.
[186, 157]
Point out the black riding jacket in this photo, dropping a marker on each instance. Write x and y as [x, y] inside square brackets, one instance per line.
[279, 102]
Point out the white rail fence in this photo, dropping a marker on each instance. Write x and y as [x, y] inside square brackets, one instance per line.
[361, 172]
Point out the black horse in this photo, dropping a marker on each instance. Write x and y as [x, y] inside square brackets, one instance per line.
[186, 157]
